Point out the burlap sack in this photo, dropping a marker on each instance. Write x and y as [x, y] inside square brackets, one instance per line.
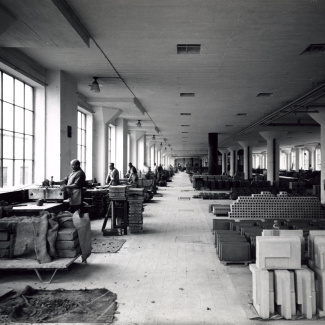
[40, 225]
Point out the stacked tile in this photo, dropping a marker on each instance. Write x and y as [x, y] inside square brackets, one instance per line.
[135, 200]
[267, 205]
[117, 192]
[316, 253]
[67, 243]
[278, 270]
[99, 202]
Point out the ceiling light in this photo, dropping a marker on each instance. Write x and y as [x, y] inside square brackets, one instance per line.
[95, 86]
[186, 114]
[264, 95]
[139, 124]
[153, 137]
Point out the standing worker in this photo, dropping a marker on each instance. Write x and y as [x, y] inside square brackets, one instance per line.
[112, 176]
[132, 174]
[74, 184]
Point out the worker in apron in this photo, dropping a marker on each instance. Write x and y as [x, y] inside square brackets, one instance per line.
[74, 184]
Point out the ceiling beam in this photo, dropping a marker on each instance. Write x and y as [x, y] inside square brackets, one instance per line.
[73, 20]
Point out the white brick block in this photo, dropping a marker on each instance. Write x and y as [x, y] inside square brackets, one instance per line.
[312, 234]
[305, 292]
[319, 252]
[263, 291]
[284, 293]
[278, 252]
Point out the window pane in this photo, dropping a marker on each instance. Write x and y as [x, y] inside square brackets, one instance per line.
[28, 172]
[79, 153]
[8, 117]
[83, 138]
[8, 88]
[19, 172]
[8, 144]
[28, 147]
[19, 146]
[0, 88]
[83, 121]
[83, 154]
[79, 136]
[79, 119]
[19, 93]
[28, 122]
[8, 171]
[29, 97]
[19, 119]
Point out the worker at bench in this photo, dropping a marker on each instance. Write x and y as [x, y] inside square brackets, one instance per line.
[74, 184]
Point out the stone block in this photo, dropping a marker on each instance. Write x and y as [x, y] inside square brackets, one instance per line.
[229, 240]
[305, 292]
[311, 237]
[320, 289]
[69, 252]
[284, 293]
[288, 233]
[67, 234]
[278, 252]
[67, 244]
[263, 291]
[4, 236]
[319, 251]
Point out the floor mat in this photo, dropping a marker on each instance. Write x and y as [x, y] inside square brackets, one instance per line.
[58, 306]
[106, 245]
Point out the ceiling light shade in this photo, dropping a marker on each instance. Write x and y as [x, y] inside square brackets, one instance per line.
[161, 144]
[153, 137]
[139, 124]
[95, 86]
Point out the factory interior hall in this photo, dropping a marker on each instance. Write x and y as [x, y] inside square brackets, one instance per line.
[162, 161]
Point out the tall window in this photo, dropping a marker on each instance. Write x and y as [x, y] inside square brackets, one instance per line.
[82, 139]
[111, 144]
[16, 132]
[318, 159]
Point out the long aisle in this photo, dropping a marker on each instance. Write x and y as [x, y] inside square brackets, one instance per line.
[169, 274]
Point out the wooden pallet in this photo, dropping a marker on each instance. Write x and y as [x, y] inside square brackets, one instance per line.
[30, 264]
[236, 262]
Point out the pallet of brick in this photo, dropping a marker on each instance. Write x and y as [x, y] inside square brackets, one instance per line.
[284, 293]
[224, 233]
[234, 252]
[305, 292]
[117, 192]
[221, 209]
[221, 224]
[263, 291]
[226, 239]
[278, 252]
[267, 205]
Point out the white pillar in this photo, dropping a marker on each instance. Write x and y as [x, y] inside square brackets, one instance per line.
[224, 153]
[233, 160]
[121, 146]
[247, 145]
[273, 153]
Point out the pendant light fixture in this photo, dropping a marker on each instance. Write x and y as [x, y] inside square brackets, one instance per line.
[95, 86]
[139, 124]
[153, 138]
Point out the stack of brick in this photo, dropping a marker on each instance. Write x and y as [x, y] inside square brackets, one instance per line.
[67, 243]
[231, 246]
[266, 205]
[7, 237]
[117, 192]
[316, 255]
[280, 283]
[135, 216]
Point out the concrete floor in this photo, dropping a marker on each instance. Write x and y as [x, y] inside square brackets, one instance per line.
[169, 274]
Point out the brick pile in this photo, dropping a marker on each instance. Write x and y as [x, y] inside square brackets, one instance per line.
[135, 199]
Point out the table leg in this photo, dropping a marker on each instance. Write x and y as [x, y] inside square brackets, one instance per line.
[38, 275]
[53, 276]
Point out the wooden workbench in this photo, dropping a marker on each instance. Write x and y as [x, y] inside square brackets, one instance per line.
[30, 208]
[30, 264]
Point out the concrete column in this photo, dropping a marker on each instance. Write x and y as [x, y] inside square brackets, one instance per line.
[297, 151]
[273, 153]
[312, 156]
[233, 160]
[247, 145]
[133, 148]
[103, 116]
[213, 154]
[153, 155]
[224, 153]
[140, 150]
[121, 146]
[320, 119]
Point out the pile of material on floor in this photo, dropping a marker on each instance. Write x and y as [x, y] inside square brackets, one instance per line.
[46, 237]
[58, 306]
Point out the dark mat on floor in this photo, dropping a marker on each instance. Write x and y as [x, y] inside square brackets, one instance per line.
[106, 245]
[58, 306]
